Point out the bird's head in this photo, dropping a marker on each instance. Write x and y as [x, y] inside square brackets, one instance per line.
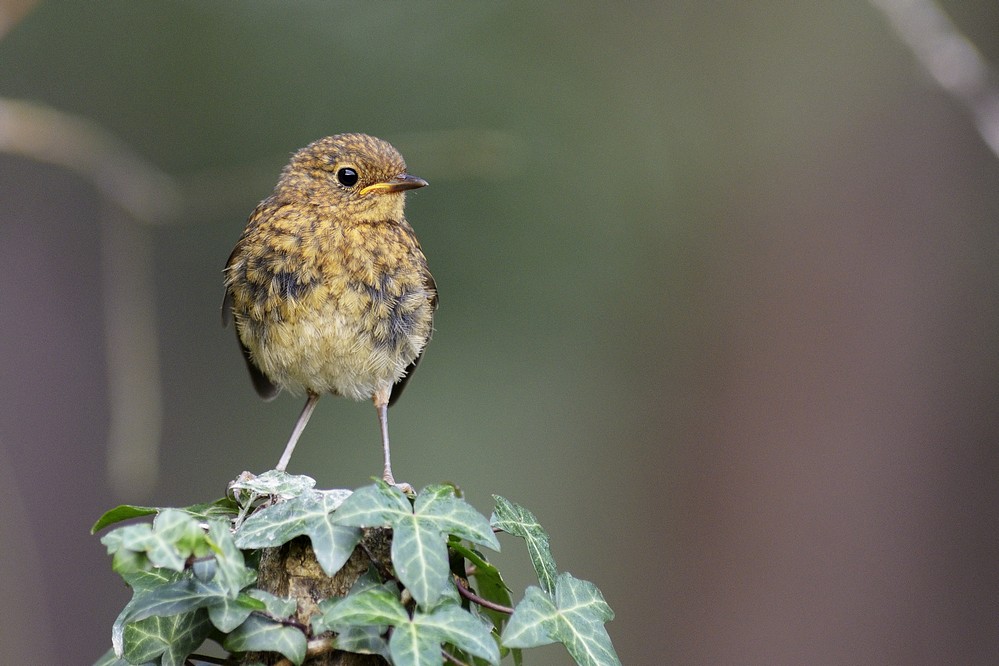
[361, 175]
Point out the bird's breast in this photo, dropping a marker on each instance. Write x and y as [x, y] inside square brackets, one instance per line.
[342, 312]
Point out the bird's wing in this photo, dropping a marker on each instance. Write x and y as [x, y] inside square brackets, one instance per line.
[398, 387]
[265, 388]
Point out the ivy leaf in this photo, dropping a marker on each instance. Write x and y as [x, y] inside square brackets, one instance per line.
[262, 634]
[408, 646]
[183, 531]
[518, 521]
[366, 581]
[139, 581]
[221, 508]
[145, 580]
[414, 641]
[227, 614]
[575, 616]
[120, 513]
[363, 640]
[270, 484]
[171, 638]
[450, 623]
[489, 582]
[168, 542]
[231, 572]
[277, 606]
[419, 641]
[439, 506]
[126, 545]
[182, 596]
[224, 508]
[419, 544]
[309, 514]
[419, 555]
[373, 506]
[373, 607]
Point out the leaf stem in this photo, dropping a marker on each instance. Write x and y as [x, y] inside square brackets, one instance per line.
[485, 603]
[450, 658]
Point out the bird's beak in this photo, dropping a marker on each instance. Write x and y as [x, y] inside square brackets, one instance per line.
[400, 183]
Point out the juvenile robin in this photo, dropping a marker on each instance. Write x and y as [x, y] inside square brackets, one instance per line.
[328, 286]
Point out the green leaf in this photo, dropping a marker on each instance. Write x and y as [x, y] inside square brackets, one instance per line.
[172, 538]
[518, 521]
[373, 506]
[125, 562]
[221, 508]
[270, 484]
[419, 544]
[224, 508]
[363, 640]
[146, 580]
[120, 513]
[167, 543]
[454, 516]
[376, 606]
[311, 514]
[366, 581]
[575, 616]
[180, 528]
[181, 596]
[118, 629]
[534, 621]
[489, 583]
[171, 638]
[450, 623]
[409, 646]
[584, 612]
[231, 572]
[130, 537]
[413, 641]
[265, 635]
[419, 641]
[419, 555]
[279, 607]
[228, 614]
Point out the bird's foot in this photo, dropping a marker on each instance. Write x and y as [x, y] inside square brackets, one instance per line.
[404, 487]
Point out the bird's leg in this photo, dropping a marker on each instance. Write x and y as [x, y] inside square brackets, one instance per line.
[303, 419]
[381, 399]
[381, 404]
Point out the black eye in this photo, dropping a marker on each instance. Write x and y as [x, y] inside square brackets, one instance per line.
[347, 177]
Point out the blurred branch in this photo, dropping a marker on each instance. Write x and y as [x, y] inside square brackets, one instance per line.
[11, 13]
[131, 353]
[41, 133]
[950, 59]
[141, 193]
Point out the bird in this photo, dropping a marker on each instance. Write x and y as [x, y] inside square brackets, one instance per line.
[328, 287]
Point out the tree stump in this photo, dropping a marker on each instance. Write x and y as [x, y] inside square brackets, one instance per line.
[292, 571]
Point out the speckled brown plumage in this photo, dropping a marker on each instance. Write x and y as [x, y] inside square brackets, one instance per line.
[328, 287]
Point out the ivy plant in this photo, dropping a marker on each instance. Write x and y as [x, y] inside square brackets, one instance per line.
[194, 576]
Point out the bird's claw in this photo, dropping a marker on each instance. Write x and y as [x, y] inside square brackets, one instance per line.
[404, 487]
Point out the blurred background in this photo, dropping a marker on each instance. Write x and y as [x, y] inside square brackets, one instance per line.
[718, 303]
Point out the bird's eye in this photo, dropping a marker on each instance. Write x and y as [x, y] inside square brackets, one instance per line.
[347, 177]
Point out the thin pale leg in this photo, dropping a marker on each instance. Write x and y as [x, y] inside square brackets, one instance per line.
[381, 399]
[303, 419]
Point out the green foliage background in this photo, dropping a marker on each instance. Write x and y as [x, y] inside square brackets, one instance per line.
[717, 302]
